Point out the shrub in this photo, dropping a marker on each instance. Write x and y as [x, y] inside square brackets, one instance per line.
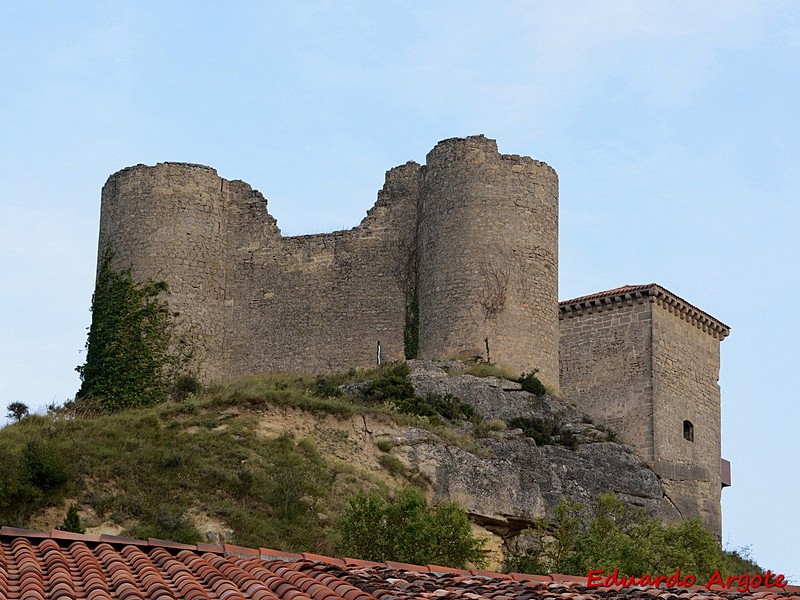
[185, 386]
[612, 535]
[402, 528]
[390, 385]
[530, 383]
[72, 522]
[325, 387]
[391, 464]
[486, 428]
[384, 445]
[452, 408]
[544, 432]
[42, 467]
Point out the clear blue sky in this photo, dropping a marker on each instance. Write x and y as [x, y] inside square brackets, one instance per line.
[674, 128]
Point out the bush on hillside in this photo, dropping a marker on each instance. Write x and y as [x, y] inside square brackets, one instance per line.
[611, 534]
[402, 528]
[530, 383]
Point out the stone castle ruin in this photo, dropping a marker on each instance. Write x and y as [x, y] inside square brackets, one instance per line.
[457, 258]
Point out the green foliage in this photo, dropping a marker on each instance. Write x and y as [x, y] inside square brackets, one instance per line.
[544, 432]
[185, 386]
[43, 467]
[739, 561]
[530, 383]
[151, 469]
[391, 464]
[411, 330]
[452, 408]
[485, 428]
[384, 445]
[325, 387]
[390, 385]
[611, 435]
[72, 522]
[613, 535]
[486, 370]
[17, 411]
[33, 474]
[402, 528]
[132, 356]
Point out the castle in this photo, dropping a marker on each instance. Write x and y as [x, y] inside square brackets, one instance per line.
[458, 257]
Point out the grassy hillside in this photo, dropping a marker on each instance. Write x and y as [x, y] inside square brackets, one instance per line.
[273, 461]
[211, 459]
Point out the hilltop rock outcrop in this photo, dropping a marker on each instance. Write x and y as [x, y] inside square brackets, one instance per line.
[511, 481]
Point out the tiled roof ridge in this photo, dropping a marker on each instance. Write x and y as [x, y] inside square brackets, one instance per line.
[650, 292]
[67, 537]
[130, 546]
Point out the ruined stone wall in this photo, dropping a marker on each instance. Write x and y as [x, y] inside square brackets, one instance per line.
[474, 235]
[318, 303]
[685, 388]
[251, 300]
[168, 222]
[488, 257]
[606, 366]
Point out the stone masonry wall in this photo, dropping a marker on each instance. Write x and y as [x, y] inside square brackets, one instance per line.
[318, 303]
[685, 375]
[643, 361]
[488, 257]
[606, 368]
[168, 223]
[471, 229]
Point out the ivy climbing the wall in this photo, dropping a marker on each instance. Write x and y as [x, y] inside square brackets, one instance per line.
[411, 329]
[133, 355]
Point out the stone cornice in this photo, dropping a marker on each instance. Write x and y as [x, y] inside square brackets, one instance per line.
[638, 294]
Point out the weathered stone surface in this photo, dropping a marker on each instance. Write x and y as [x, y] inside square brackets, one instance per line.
[517, 481]
[472, 235]
[646, 363]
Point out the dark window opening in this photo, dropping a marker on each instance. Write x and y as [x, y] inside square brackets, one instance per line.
[688, 431]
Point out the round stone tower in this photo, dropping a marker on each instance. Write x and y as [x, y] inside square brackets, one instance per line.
[488, 257]
[167, 223]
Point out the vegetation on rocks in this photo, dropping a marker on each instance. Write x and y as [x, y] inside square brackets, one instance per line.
[613, 535]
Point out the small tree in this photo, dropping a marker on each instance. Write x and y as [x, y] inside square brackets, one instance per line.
[132, 354]
[17, 411]
[72, 522]
[402, 528]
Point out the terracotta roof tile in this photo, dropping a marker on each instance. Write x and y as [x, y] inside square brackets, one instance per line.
[43, 566]
[658, 293]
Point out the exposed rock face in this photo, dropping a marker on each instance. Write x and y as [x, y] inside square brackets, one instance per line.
[517, 481]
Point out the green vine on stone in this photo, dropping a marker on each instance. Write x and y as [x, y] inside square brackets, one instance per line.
[133, 355]
[411, 330]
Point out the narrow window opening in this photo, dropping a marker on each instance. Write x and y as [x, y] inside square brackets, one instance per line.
[688, 431]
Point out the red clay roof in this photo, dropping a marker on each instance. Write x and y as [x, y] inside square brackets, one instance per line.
[37, 566]
[625, 289]
[648, 289]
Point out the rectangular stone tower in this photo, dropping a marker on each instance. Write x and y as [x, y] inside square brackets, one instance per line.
[645, 363]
